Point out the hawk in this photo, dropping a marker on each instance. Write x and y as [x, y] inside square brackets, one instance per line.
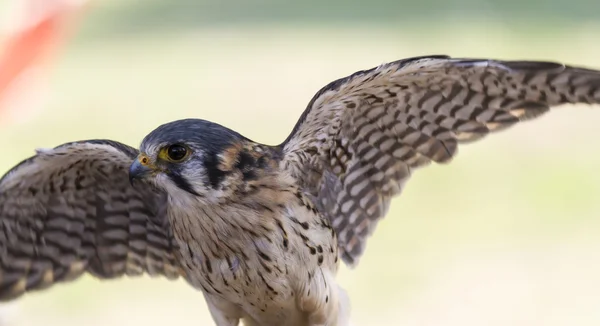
[260, 230]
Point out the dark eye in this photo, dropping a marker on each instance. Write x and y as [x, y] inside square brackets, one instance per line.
[177, 153]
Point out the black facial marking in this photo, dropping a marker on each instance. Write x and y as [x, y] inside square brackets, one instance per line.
[182, 183]
[245, 160]
[249, 175]
[215, 175]
[262, 162]
[247, 164]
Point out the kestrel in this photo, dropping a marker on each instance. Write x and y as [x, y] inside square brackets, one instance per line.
[260, 229]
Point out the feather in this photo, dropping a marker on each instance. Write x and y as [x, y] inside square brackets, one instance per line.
[70, 210]
[360, 137]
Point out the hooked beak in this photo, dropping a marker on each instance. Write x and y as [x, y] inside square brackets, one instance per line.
[140, 168]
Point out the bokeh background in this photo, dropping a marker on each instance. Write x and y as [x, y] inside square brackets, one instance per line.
[508, 234]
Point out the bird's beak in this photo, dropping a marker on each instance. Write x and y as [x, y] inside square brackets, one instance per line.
[140, 168]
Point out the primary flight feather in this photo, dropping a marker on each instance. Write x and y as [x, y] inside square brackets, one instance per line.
[260, 229]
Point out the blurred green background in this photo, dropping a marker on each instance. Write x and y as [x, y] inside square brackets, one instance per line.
[508, 234]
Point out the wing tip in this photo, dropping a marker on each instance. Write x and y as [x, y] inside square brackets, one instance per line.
[351, 254]
[349, 260]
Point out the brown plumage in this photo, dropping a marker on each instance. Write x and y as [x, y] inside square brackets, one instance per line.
[361, 136]
[259, 229]
[72, 210]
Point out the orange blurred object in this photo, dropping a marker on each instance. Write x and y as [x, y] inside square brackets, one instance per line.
[26, 44]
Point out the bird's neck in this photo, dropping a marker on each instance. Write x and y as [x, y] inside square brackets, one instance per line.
[230, 225]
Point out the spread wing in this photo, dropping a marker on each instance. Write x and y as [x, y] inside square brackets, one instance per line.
[361, 136]
[71, 210]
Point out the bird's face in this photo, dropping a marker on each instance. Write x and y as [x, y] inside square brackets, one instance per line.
[167, 165]
[184, 155]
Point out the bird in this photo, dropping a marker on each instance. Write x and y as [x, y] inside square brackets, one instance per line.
[261, 230]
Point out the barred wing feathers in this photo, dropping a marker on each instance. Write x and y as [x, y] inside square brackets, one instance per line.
[70, 210]
[361, 136]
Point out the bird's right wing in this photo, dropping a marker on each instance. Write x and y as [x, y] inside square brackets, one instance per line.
[70, 210]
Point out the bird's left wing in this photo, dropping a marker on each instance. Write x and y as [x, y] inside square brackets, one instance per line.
[361, 136]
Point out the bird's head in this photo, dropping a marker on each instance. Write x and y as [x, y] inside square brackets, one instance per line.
[200, 157]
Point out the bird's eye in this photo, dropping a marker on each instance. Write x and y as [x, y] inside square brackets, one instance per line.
[177, 153]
